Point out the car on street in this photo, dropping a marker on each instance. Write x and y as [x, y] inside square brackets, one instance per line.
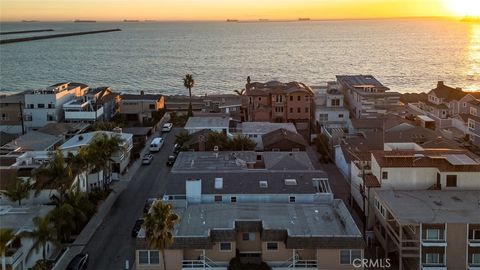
[167, 127]
[171, 160]
[147, 159]
[148, 204]
[156, 144]
[137, 227]
[79, 262]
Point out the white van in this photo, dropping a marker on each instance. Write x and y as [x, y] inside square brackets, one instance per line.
[156, 144]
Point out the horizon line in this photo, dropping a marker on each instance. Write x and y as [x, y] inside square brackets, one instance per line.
[260, 19]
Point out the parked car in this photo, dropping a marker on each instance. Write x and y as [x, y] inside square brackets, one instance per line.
[167, 127]
[148, 204]
[147, 159]
[171, 160]
[137, 227]
[79, 262]
[156, 144]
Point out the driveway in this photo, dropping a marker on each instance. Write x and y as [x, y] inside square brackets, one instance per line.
[112, 244]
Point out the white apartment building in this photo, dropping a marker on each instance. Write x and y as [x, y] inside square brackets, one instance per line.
[408, 166]
[44, 106]
[329, 106]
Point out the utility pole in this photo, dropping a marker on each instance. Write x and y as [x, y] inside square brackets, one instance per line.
[21, 117]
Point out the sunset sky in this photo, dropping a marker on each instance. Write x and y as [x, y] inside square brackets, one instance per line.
[237, 9]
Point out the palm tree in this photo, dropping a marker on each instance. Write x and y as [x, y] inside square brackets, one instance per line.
[159, 223]
[239, 92]
[6, 236]
[62, 217]
[57, 173]
[188, 82]
[19, 191]
[43, 233]
[242, 143]
[101, 151]
[217, 139]
[79, 203]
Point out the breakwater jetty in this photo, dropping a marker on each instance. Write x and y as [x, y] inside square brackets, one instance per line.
[25, 39]
[26, 31]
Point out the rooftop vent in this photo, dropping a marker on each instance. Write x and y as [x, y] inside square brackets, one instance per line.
[218, 183]
[263, 184]
[80, 137]
[290, 182]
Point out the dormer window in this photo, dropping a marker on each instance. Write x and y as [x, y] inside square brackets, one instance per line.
[218, 183]
[263, 184]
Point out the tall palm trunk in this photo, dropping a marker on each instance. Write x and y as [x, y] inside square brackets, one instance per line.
[4, 263]
[44, 251]
[163, 259]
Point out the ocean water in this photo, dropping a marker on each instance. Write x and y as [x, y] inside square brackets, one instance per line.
[406, 55]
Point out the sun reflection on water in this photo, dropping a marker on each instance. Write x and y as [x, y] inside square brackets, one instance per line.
[473, 72]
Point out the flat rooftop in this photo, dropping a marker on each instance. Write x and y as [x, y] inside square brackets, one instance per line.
[20, 219]
[305, 220]
[86, 138]
[36, 141]
[207, 122]
[432, 206]
[264, 127]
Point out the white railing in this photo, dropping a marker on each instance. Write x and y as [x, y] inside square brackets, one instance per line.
[84, 115]
[12, 259]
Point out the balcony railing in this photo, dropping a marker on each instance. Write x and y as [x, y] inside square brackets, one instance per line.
[84, 115]
[13, 255]
[474, 242]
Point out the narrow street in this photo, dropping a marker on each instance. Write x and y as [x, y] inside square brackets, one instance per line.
[112, 244]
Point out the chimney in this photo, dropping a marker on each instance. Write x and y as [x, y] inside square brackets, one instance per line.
[440, 83]
[142, 93]
[193, 190]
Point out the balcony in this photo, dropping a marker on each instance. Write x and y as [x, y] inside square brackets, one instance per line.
[434, 267]
[204, 263]
[297, 264]
[13, 255]
[84, 115]
[434, 243]
[474, 242]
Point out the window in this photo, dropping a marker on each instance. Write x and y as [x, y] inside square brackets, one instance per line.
[306, 109]
[335, 102]
[291, 110]
[225, 246]
[263, 184]
[259, 99]
[291, 98]
[347, 256]
[290, 182]
[218, 198]
[148, 257]
[432, 258]
[471, 124]
[41, 106]
[298, 98]
[299, 110]
[29, 106]
[151, 106]
[340, 115]
[4, 116]
[272, 246]
[51, 106]
[218, 183]
[233, 199]
[451, 180]
[323, 117]
[476, 234]
[476, 258]
[50, 118]
[248, 236]
[432, 234]
[291, 199]
[385, 175]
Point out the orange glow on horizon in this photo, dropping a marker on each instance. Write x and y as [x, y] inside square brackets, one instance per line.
[221, 10]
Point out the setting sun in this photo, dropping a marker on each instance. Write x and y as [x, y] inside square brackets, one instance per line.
[463, 7]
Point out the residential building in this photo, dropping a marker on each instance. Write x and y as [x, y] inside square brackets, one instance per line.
[279, 102]
[366, 96]
[283, 140]
[225, 103]
[20, 252]
[45, 106]
[64, 130]
[330, 112]
[83, 110]
[140, 108]
[429, 229]
[35, 141]
[120, 159]
[473, 121]
[104, 97]
[179, 103]
[255, 130]
[11, 109]
[260, 206]
[214, 123]
[408, 166]
[284, 235]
